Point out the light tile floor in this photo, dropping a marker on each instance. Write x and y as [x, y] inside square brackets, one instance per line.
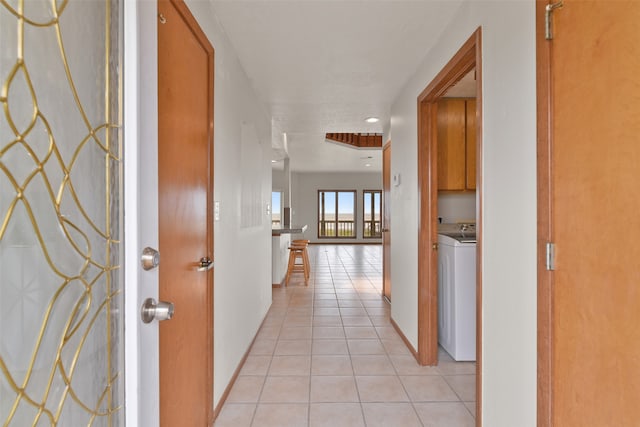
[327, 355]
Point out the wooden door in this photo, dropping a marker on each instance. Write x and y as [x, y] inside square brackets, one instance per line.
[386, 221]
[589, 169]
[185, 121]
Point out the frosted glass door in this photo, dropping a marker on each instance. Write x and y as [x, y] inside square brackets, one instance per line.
[61, 302]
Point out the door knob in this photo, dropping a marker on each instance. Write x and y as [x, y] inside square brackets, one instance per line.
[205, 264]
[152, 310]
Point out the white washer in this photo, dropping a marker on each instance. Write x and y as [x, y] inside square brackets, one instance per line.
[457, 297]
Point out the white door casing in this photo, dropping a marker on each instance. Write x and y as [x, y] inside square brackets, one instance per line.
[141, 209]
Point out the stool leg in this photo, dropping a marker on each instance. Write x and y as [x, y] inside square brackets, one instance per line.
[292, 260]
[305, 270]
[307, 264]
[303, 266]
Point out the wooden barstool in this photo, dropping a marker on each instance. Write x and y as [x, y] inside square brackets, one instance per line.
[298, 250]
[305, 253]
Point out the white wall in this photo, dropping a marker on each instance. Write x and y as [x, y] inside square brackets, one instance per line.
[457, 207]
[242, 173]
[304, 199]
[509, 197]
[279, 180]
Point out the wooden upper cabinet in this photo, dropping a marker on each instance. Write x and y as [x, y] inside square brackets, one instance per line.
[456, 144]
[451, 144]
[471, 144]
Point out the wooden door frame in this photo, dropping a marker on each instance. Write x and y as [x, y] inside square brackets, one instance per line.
[199, 34]
[544, 198]
[385, 226]
[467, 57]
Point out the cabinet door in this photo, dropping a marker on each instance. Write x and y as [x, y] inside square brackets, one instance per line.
[451, 144]
[471, 144]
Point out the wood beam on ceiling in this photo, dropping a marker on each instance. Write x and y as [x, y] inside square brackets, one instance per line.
[358, 140]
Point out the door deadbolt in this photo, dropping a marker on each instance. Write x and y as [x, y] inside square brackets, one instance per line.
[152, 310]
[150, 258]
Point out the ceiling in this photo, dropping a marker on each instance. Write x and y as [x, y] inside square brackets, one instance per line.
[326, 65]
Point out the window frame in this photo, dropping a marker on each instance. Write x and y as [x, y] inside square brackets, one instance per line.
[336, 221]
[364, 221]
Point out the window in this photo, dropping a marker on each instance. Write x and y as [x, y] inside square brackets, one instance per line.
[372, 207]
[336, 213]
[276, 208]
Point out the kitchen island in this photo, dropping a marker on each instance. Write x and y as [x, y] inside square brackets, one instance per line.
[278, 230]
[280, 241]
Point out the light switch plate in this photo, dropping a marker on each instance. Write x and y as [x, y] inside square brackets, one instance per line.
[216, 210]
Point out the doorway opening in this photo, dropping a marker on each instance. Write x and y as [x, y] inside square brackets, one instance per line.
[467, 58]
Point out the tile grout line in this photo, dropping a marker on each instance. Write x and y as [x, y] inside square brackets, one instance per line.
[355, 284]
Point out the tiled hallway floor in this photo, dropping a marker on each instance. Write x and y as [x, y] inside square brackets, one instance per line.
[327, 355]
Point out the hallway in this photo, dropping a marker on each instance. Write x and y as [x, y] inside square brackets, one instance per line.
[327, 355]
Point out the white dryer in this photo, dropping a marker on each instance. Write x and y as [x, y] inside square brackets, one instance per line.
[457, 297]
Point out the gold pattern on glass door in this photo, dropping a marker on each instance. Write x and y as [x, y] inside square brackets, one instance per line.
[61, 304]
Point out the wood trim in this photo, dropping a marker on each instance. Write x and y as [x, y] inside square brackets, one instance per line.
[386, 221]
[404, 339]
[467, 57]
[200, 35]
[479, 232]
[461, 63]
[544, 196]
[356, 140]
[427, 177]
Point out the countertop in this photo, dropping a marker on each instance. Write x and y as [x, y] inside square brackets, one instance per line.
[287, 229]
